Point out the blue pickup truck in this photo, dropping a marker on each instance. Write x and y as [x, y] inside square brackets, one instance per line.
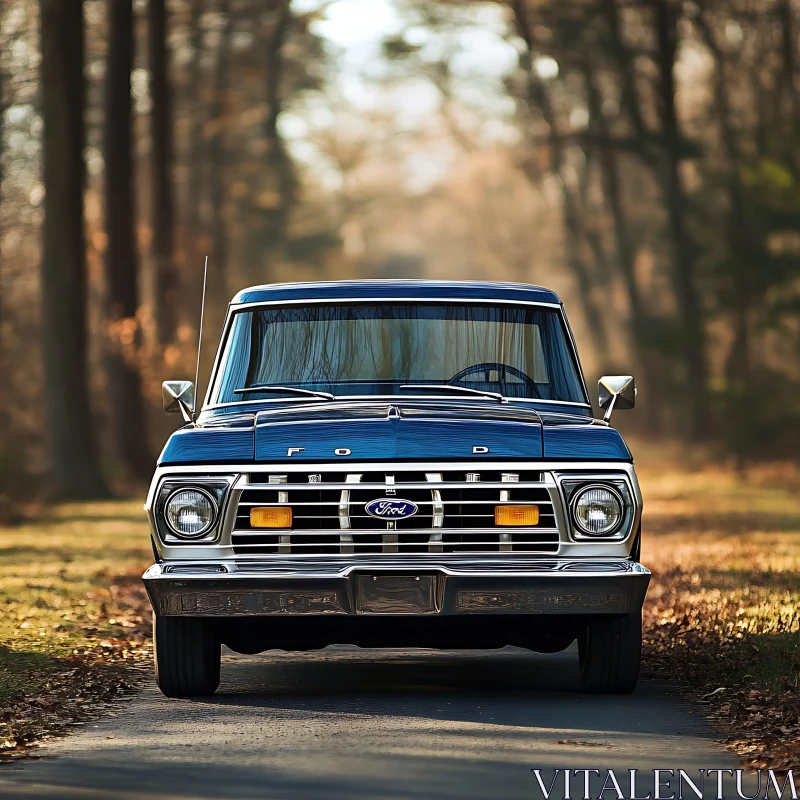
[396, 464]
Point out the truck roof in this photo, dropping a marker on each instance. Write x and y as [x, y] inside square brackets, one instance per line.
[396, 290]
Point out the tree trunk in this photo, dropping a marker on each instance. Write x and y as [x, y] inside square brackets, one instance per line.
[277, 185]
[538, 96]
[662, 152]
[162, 200]
[630, 101]
[74, 466]
[4, 417]
[625, 249]
[121, 263]
[786, 15]
[743, 248]
[692, 343]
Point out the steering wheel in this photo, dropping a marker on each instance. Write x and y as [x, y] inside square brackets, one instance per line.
[502, 369]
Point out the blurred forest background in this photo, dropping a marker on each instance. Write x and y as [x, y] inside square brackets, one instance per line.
[640, 157]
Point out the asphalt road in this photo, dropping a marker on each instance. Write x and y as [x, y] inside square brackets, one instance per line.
[353, 724]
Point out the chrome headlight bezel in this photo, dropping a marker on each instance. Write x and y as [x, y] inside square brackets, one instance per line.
[576, 521]
[572, 484]
[217, 487]
[207, 527]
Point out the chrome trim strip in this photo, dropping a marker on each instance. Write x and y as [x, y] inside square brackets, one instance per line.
[337, 301]
[345, 536]
[517, 567]
[224, 344]
[420, 465]
[393, 281]
[435, 540]
[332, 487]
[299, 487]
[390, 398]
[390, 544]
[477, 530]
[544, 532]
[344, 510]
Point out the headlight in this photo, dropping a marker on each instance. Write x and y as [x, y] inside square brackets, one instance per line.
[190, 513]
[597, 510]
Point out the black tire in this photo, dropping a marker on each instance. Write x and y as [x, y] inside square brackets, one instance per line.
[187, 654]
[610, 652]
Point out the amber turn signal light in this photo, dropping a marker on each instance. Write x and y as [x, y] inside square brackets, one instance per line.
[516, 515]
[271, 517]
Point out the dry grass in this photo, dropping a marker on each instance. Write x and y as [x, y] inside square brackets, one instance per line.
[722, 612]
[73, 616]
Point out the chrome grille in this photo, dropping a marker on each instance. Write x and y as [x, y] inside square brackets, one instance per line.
[456, 513]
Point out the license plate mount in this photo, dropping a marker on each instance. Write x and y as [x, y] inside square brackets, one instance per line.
[390, 593]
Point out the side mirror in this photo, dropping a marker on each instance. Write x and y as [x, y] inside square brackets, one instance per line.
[178, 396]
[616, 391]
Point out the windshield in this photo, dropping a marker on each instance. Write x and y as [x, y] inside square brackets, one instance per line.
[388, 349]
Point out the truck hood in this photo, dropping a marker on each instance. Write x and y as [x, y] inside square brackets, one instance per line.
[403, 431]
[359, 431]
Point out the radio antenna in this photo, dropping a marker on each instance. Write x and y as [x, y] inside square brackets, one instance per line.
[199, 344]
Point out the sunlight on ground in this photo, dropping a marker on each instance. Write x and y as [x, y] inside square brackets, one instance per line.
[722, 611]
[75, 621]
[56, 574]
[726, 547]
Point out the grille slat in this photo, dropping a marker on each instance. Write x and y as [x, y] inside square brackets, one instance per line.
[455, 513]
[486, 543]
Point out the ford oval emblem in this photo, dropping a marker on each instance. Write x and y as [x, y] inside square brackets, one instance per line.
[391, 508]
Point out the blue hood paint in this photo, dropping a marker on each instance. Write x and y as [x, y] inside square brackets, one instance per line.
[422, 431]
[208, 445]
[419, 432]
[565, 440]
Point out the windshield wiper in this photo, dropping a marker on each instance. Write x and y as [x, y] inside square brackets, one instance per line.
[278, 389]
[436, 387]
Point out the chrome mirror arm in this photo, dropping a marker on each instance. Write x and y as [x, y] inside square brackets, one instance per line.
[610, 409]
[186, 413]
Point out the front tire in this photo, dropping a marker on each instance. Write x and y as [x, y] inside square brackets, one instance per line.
[609, 653]
[187, 655]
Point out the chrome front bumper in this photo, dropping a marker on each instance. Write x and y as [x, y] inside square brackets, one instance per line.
[415, 585]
